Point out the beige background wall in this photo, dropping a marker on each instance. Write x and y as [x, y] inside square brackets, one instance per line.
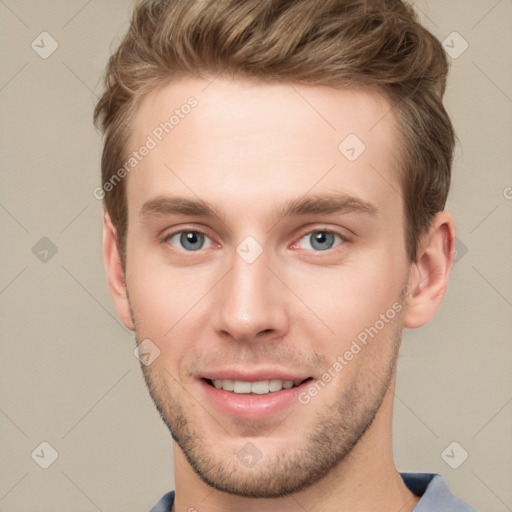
[68, 375]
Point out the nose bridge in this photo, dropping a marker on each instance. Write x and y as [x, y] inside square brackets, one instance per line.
[249, 302]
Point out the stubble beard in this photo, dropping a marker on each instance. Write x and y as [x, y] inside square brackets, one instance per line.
[336, 429]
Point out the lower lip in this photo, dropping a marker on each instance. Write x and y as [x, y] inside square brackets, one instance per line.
[252, 406]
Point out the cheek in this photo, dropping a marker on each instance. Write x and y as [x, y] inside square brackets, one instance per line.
[164, 299]
[345, 300]
[146, 285]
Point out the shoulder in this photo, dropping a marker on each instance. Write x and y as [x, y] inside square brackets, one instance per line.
[165, 503]
[434, 493]
[430, 486]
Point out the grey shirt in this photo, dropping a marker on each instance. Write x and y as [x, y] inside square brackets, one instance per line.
[435, 495]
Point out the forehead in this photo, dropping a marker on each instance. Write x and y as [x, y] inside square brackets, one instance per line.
[240, 140]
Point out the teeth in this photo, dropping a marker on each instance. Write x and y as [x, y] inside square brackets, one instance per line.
[260, 387]
[228, 385]
[242, 387]
[275, 385]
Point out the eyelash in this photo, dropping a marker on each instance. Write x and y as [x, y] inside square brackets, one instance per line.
[343, 238]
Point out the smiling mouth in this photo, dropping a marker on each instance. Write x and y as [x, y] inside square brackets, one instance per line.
[260, 387]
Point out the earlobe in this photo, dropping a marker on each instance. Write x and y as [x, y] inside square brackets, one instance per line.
[430, 273]
[115, 274]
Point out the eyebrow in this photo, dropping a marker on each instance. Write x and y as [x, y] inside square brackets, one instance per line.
[326, 204]
[310, 205]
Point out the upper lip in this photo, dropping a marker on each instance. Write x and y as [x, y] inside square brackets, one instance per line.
[253, 375]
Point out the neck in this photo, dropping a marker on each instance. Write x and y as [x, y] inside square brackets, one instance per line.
[366, 480]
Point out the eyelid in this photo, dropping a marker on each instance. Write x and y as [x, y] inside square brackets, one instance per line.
[170, 231]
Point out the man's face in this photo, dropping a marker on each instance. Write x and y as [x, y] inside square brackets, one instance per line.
[274, 284]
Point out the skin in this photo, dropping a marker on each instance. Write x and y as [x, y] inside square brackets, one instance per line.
[246, 149]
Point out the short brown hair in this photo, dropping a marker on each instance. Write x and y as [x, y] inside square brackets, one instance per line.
[336, 43]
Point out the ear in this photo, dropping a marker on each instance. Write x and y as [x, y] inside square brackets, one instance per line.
[115, 274]
[429, 275]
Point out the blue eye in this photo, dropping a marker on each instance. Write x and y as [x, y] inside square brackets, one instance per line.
[321, 240]
[190, 240]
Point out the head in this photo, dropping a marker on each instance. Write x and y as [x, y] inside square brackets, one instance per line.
[308, 176]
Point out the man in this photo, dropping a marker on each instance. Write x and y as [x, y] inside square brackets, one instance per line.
[274, 178]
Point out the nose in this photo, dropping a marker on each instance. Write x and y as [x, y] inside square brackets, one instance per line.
[250, 302]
